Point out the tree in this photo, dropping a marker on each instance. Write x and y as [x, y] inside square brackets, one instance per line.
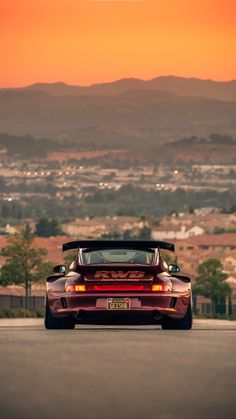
[68, 259]
[127, 235]
[211, 281]
[144, 233]
[47, 227]
[219, 230]
[24, 264]
[113, 235]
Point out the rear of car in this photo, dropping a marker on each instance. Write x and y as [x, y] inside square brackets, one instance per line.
[115, 278]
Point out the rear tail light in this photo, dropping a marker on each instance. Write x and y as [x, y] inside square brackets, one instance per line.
[161, 288]
[80, 288]
[116, 287]
[76, 288]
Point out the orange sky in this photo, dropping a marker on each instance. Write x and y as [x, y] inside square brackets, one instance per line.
[84, 42]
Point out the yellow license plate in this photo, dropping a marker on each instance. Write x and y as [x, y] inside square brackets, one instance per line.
[118, 304]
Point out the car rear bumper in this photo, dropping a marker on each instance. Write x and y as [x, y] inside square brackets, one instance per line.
[165, 304]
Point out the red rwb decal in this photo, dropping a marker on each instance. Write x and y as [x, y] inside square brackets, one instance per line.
[119, 274]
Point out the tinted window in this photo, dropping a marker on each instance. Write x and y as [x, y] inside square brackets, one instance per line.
[118, 256]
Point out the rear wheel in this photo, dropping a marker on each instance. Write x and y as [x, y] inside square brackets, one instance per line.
[179, 324]
[51, 322]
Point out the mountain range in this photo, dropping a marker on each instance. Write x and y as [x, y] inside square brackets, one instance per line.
[125, 111]
[220, 90]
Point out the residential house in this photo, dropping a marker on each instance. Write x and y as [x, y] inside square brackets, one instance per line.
[211, 242]
[93, 228]
[176, 232]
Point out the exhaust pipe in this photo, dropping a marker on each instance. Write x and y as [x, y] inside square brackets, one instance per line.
[80, 316]
[156, 315]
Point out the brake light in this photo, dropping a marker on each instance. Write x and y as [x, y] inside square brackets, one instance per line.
[76, 288]
[161, 287]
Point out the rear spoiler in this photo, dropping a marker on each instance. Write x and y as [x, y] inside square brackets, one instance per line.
[118, 244]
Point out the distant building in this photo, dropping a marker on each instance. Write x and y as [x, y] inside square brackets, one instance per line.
[229, 262]
[210, 242]
[207, 221]
[92, 228]
[176, 232]
[84, 228]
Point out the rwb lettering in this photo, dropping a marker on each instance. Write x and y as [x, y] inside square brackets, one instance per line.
[119, 274]
[102, 274]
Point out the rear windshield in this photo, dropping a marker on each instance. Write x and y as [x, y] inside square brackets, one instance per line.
[91, 257]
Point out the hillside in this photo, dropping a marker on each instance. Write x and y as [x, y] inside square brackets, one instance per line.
[136, 116]
[216, 149]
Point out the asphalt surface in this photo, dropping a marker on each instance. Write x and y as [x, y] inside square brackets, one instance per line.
[117, 371]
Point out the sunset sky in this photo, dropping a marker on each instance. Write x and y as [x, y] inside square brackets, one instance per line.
[85, 42]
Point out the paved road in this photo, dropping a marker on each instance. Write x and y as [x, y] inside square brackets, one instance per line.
[117, 371]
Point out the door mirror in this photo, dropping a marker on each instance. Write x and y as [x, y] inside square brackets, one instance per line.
[173, 268]
[59, 269]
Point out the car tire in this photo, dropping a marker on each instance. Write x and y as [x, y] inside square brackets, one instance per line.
[179, 324]
[51, 322]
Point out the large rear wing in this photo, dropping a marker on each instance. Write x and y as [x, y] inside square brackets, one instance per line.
[118, 244]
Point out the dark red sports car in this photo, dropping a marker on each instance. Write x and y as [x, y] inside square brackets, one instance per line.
[108, 279]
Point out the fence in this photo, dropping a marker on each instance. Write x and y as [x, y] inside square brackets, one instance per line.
[208, 309]
[16, 301]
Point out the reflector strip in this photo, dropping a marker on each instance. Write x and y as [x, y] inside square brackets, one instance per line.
[118, 288]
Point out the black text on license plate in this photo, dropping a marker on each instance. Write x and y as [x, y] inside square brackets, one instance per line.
[118, 304]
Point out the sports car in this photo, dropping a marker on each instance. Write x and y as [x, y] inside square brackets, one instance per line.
[108, 279]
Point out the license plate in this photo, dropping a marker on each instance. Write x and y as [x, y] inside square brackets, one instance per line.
[118, 304]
